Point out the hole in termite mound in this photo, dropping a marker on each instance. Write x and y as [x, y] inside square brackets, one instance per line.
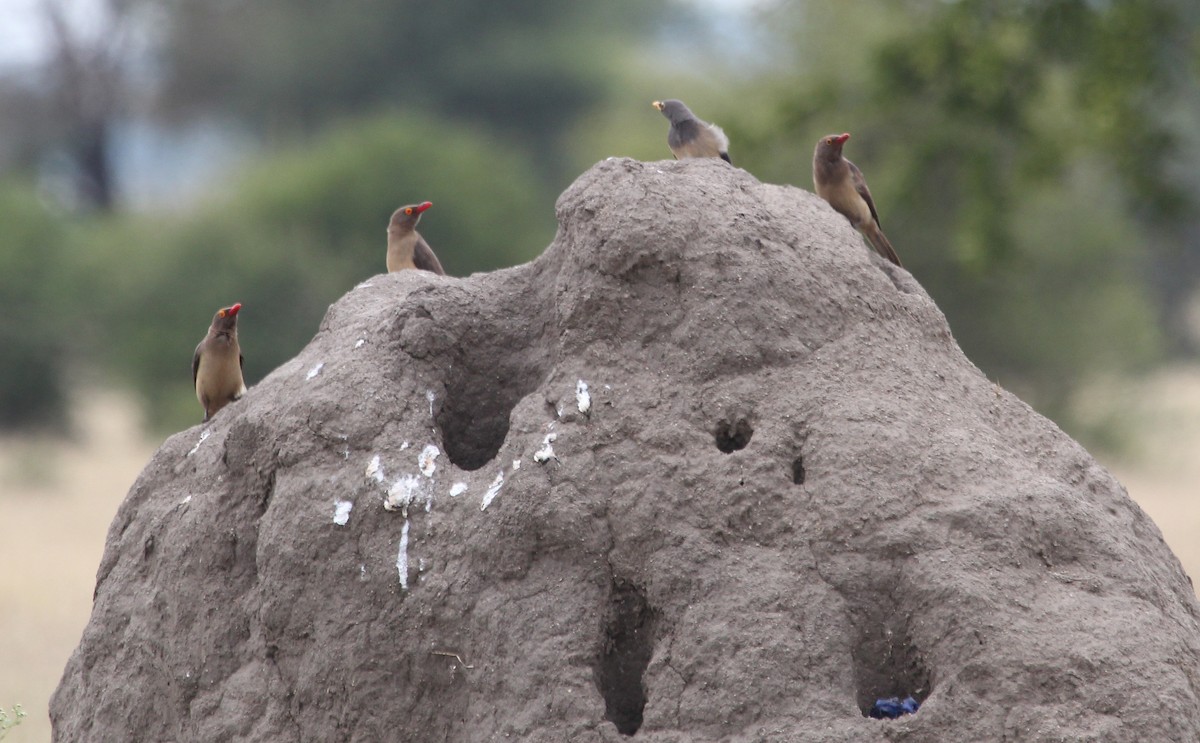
[626, 646]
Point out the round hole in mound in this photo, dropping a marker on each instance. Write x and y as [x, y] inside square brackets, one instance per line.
[474, 417]
[730, 437]
[489, 375]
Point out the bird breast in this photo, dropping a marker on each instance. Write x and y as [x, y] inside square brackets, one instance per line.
[400, 251]
[835, 185]
[219, 375]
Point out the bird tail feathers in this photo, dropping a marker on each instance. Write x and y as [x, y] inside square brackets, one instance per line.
[721, 138]
[879, 241]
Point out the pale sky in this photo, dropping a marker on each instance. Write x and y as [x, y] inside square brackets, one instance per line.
[20, 36]
[23, 33]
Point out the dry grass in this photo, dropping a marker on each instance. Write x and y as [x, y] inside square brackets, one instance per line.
[57, 499]
[1162, 473]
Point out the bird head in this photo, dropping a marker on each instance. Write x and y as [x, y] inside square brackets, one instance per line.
[406, 217]
[830, 146]
[673, 109]
[226, 317]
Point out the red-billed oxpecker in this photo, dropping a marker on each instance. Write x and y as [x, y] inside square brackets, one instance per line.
[405, 246]
[841, 183]
[217, 363]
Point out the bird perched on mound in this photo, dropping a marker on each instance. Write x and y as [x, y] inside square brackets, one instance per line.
[405, 246]
[217, 363]
[691, 137]
[841, 183]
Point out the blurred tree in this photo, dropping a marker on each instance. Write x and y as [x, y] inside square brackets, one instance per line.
[514, 79]
[31, 303]
[998, 137]
[991, 65]
[287, 69]
[527, 69]
[69, 100]
[294, 233]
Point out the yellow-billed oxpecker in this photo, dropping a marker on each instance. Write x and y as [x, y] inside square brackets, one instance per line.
[691, 137]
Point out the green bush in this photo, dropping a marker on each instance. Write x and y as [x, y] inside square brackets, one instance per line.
[33, 310]
[1013, 161]
[292, 234]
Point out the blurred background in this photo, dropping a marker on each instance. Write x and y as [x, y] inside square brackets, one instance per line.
[1037, 165]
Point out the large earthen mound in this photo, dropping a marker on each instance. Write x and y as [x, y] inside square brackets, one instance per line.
[705, 470]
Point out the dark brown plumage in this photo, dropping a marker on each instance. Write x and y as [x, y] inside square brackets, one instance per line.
[841, 183]
[691, 137]
[405, 246]
[217, 363]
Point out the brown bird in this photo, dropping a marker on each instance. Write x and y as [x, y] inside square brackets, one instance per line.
[217, 363]
[691, 137]
[841, 183]
[405, 246]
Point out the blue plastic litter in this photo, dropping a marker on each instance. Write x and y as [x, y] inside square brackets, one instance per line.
[890, 709]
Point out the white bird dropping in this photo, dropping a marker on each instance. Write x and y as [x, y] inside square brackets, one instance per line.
[492, 491]
[546, 453]
[375, 470]
[402, 557]
[583, 398]
[426, 460]
[203, 435]
[341, 512]
[404, 492]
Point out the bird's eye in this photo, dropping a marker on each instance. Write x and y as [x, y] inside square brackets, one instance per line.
[408, 211]
[221, 313]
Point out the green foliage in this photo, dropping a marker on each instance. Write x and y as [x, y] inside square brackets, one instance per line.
[1029, 158]
[1022, 155]
[32, 334]
[526, 68]
[294, 233]
[1063, 310]
[984, 67]
[9, 720]
[486, 101]
[489, 209]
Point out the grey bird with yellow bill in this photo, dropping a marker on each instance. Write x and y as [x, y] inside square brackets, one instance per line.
[217, 363]
[405, 246]
[691, 137]
[841, 183]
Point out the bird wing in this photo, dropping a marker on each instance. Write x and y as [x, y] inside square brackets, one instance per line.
[695, 138]
[860, 185]
[675, 140]
[424, 258]
[196, 363]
